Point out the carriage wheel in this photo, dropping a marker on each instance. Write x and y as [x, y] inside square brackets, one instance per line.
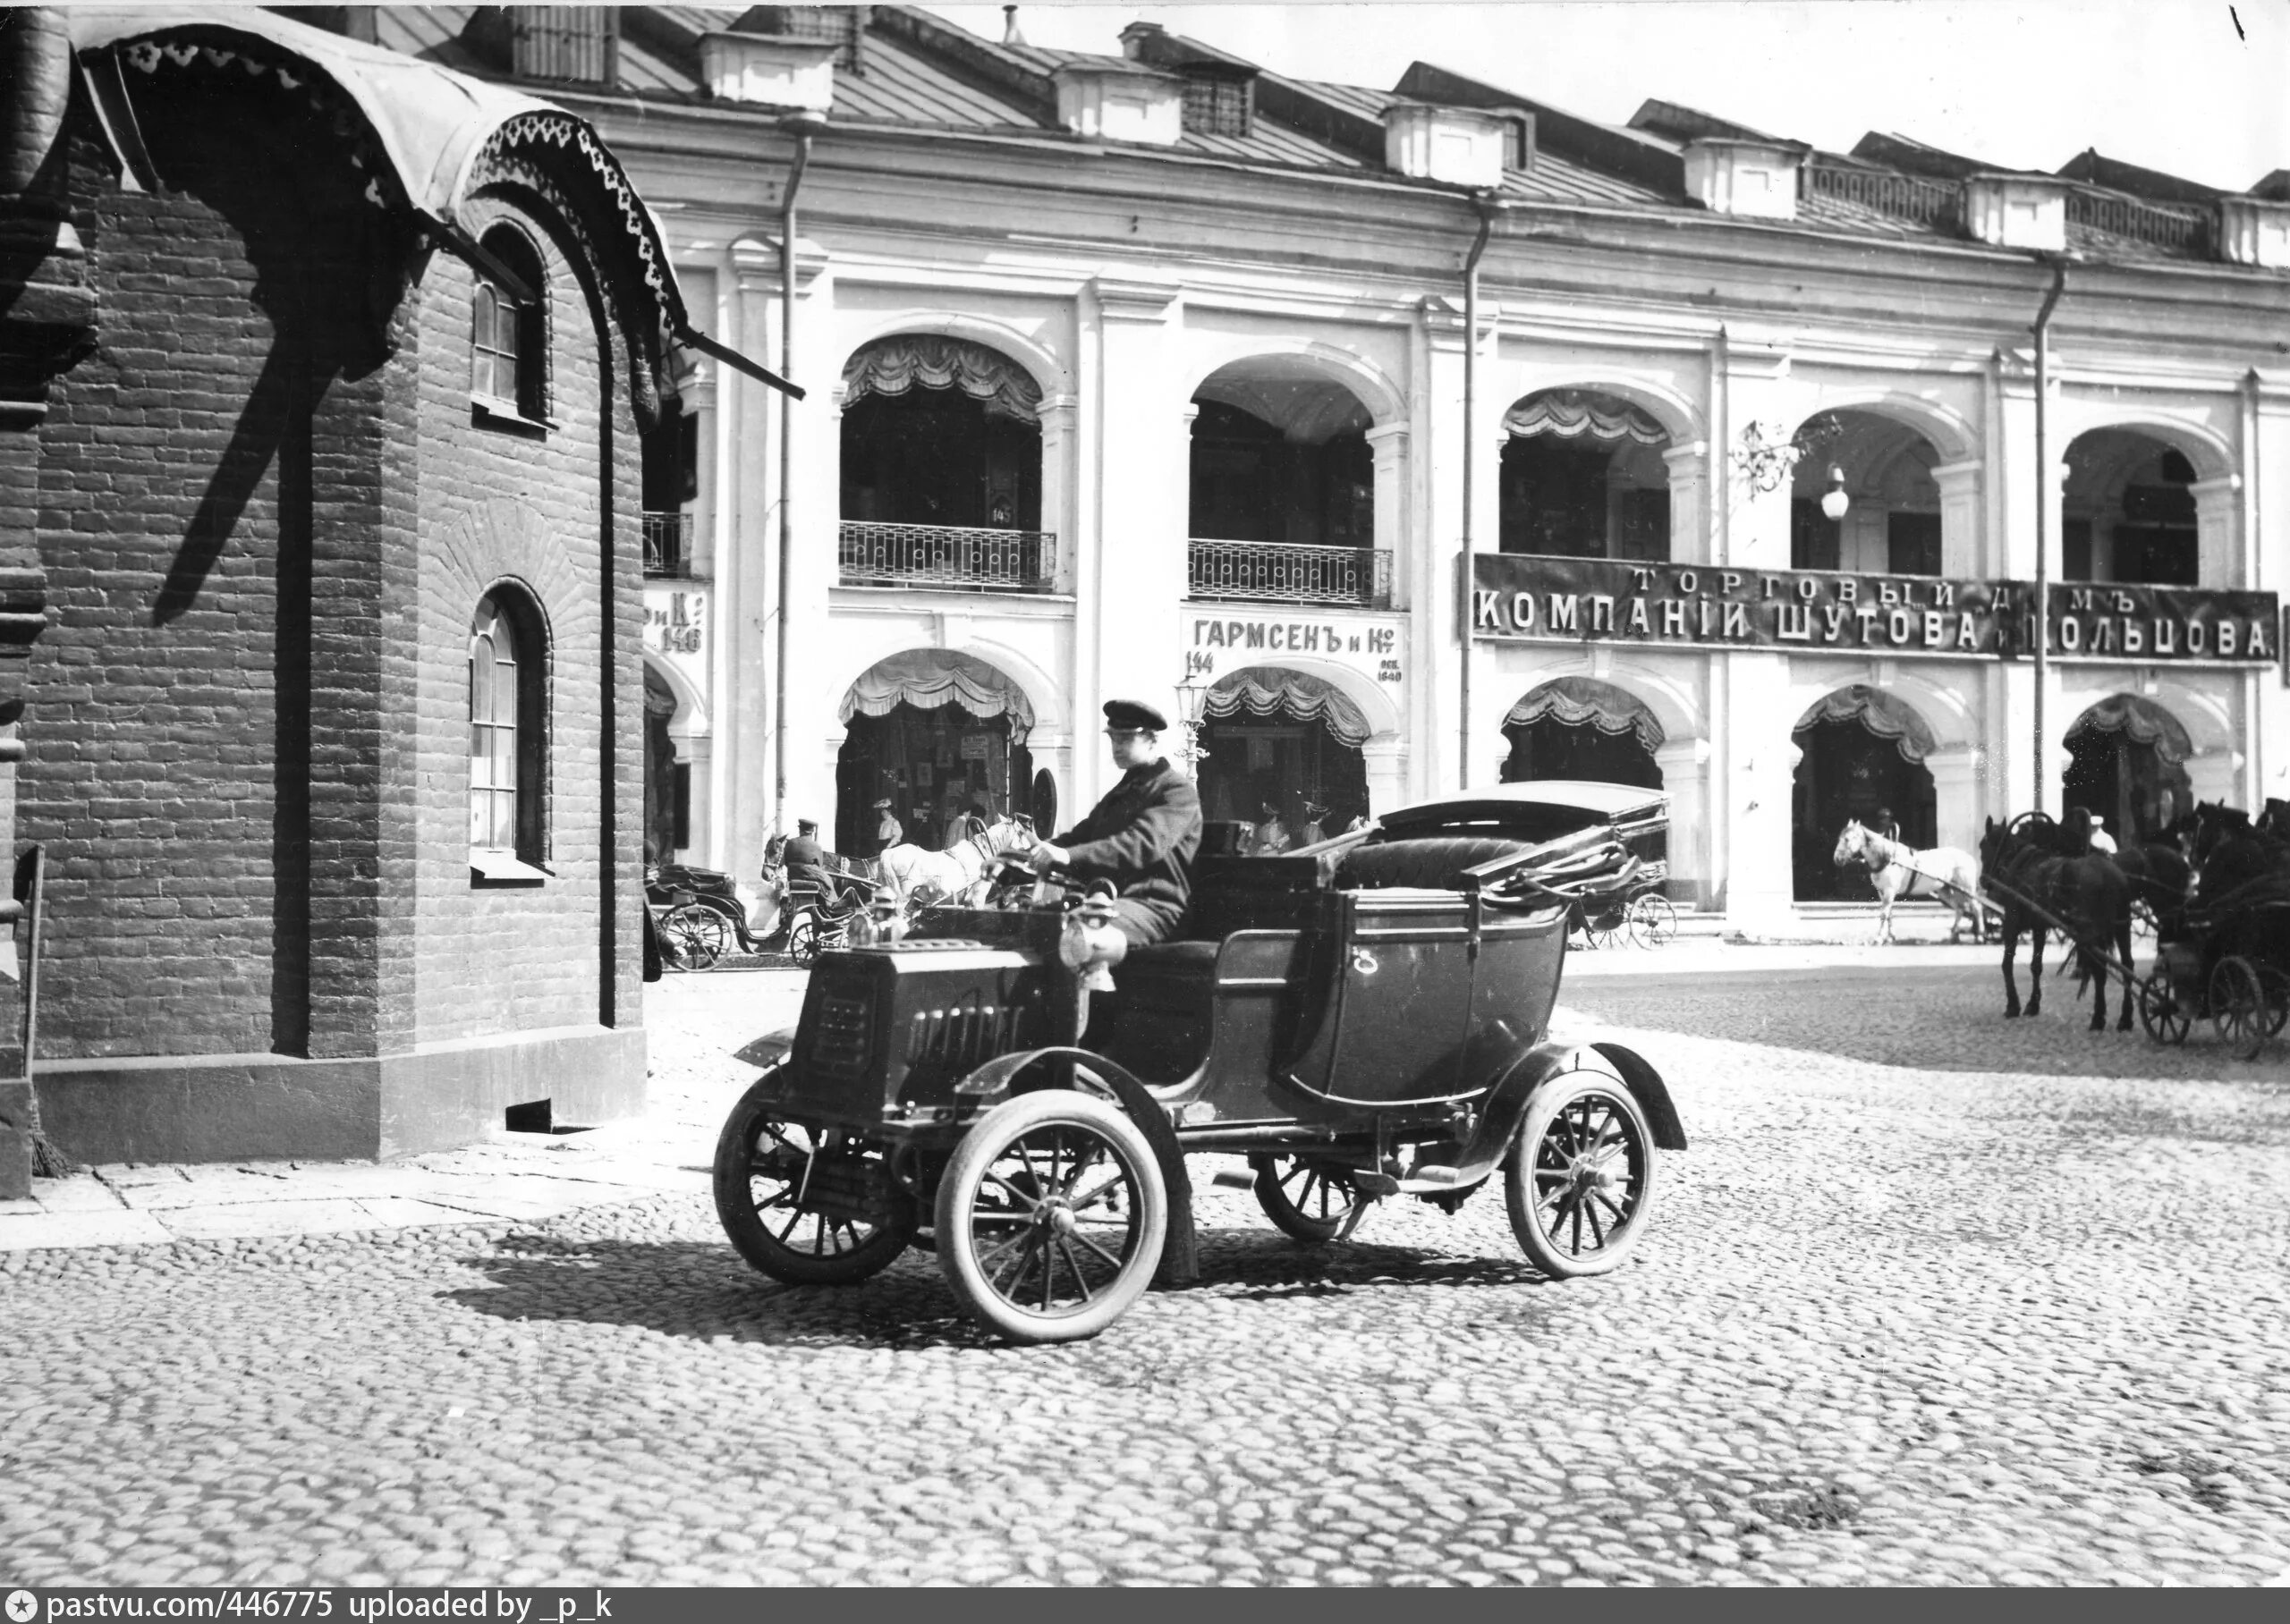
[763, 1165]
[700, 935]
[1653, 922]
[1305, 1201]
[1578, 1182]
[2238, 1006]
[803, 938]
[1050, 1217]
[2277, 998]
[2166, 1018]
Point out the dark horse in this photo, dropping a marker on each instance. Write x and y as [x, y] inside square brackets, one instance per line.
[2036, 860]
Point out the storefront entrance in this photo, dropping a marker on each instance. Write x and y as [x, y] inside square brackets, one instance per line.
[2129, 767]
[1578, 727]
[1276, 740]
[667, 781]
[1863, 757]
[939, 735]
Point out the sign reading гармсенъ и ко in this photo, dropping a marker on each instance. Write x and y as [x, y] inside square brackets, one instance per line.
[1521, 595]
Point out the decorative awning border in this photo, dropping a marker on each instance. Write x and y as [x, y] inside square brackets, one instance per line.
[2144, 721]
[895, 365]
[1272, 691]
[1569, 414]
[1587, 702]
[1880, 714]
[928, 678]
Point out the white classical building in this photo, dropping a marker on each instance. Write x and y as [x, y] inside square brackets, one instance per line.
[1124, 370]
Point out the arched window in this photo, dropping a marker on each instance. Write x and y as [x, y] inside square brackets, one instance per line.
[507, 733]
[508, 337]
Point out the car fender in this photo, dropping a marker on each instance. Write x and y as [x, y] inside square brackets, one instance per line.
[1181, 1252]
[768, 1049]
[1653, 1094]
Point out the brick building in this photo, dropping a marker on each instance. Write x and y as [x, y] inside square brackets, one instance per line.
[322, 379]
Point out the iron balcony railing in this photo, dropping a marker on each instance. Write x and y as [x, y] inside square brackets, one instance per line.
[668, 544]
[874, 555]
[1937, 205]
[2186, 227]
[1289, 572]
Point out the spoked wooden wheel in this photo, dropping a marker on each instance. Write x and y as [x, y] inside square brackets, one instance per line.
[2238, 1008]
[805, 937]
[1578, 1182]
[1305, 1201]
[1652, 920]
[1050, 1217]
[2277, 986]
[769, 1175]
[2166, 1018]
[700, 935]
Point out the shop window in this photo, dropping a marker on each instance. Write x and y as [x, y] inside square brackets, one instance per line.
[1913, 543]
[507, 729]
[508, 334]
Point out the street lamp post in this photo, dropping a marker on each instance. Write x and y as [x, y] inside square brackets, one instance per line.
[1192, 698]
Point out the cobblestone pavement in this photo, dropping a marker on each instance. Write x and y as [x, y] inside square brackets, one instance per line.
[1923, 1304]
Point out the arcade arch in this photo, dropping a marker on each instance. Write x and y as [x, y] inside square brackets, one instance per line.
[1584, 474]
[1862, 755]
[941, 464]
[1280, 454]
[2129, 511]
[938, 735]
[1580, 727]
[1884, 466]
[2128, 765]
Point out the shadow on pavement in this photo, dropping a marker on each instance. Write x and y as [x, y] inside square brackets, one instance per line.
[703, 1290]
[1942, 1019]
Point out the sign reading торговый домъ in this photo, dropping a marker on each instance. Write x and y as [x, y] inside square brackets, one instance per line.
[1524, 595]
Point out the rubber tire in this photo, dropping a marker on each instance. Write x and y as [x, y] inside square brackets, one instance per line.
[735, 1209]
[987, 1139]
[2166, 1018]
[1518, 1163]
[1653, 921]
[1293, 1220]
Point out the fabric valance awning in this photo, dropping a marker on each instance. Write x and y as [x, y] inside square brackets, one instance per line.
[1570, 414]
[928, 678]
[1269, 691]
[2144, 722]
[1880, 714]
[1587, 702]
[893, 366]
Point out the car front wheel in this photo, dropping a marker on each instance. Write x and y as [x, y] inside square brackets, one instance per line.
[1578, 1182]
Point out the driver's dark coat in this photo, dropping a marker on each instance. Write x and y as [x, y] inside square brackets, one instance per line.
[1142, 836]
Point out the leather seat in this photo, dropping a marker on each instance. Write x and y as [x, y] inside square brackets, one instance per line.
[1167, 961]
[1436, 863]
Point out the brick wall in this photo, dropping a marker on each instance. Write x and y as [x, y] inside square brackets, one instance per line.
[264, 538]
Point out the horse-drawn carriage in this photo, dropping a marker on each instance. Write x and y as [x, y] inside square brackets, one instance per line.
[2225, 955]
[1364, 1022]
[1636, 909]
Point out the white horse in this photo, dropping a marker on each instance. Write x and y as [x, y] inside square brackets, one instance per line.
[1896, 870]
[962, 871]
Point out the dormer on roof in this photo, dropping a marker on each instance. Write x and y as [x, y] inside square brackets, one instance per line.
[2023, 211]
[1461, 146]
[1219, 88]
[1633, 154]
[769, 71]
[1109, 99]
[843, 26]
[1683, 124]
[1753, 179]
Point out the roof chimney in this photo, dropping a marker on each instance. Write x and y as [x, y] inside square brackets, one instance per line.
[1009, 35]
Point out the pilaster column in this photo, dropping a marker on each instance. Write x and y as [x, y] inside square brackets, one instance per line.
[1690, 538]
[1754, 479]
[1759, 787]
[1058, 418]
[1386, 756]
[1141, 517]
[746, 565]
[815, 497]
[1430, 566]
[1686, 776]
[1960, 539]
[1959, 775]
[2218, 526]
[1387, 444]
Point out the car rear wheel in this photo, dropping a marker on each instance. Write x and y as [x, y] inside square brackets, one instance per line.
[803, 1206]
[1305, 1201]
[1050, 1217]
[1578, 1182]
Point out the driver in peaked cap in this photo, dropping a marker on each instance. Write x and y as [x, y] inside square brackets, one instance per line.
[1143, 835]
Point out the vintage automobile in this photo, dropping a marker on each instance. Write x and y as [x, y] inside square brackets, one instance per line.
[1362, 1020]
